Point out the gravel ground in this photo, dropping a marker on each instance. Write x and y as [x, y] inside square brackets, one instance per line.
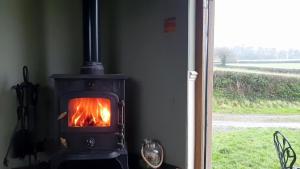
[227, 121]
[256, 118]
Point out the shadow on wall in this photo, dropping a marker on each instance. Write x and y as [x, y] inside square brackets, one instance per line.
[132, 116]
[63, 36]
[7, 115]
[109, 36]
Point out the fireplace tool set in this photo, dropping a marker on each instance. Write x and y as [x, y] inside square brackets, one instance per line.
[22, 141]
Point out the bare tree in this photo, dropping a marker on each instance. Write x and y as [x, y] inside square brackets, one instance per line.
[225, 55]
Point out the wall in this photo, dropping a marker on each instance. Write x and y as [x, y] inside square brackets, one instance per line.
[63, 36]
[156, 63]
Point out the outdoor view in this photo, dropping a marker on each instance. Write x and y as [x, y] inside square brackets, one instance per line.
[256, 82]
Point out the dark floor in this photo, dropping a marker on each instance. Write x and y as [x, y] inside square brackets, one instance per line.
[134, 163]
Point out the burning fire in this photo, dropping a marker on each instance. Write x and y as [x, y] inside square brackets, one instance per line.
[95, 112]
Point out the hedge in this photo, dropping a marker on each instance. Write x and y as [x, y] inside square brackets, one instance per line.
[252, 86]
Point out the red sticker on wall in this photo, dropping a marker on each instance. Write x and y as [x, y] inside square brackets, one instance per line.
[170, 25]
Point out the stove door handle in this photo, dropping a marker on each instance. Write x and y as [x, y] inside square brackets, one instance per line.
[121, 119]
[121, 123]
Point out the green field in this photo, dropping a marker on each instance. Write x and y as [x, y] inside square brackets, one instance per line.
[249, 148]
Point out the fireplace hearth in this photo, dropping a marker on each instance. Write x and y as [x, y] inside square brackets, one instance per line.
[90, 107]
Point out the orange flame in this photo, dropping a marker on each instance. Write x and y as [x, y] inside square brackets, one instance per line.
[93, 112]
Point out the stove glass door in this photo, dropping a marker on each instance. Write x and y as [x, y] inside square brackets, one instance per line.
[89, 112]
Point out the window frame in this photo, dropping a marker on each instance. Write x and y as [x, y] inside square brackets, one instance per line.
[204, 83]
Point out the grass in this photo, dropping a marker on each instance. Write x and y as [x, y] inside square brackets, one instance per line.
[249, 148]
[258, 106]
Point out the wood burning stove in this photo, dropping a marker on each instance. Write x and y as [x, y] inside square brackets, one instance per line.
[91, 117]
[90, 105]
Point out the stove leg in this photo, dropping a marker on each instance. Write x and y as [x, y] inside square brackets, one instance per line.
[54, 165]
[55, 162]
[123, 161]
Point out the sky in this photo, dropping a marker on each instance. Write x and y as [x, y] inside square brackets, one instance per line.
[257, 23]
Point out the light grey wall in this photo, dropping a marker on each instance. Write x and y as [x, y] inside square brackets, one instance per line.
[156, 63]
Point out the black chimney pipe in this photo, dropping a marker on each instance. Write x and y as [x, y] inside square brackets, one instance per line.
[91, 38]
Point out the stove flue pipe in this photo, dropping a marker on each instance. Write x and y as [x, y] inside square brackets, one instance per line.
[91, 38]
